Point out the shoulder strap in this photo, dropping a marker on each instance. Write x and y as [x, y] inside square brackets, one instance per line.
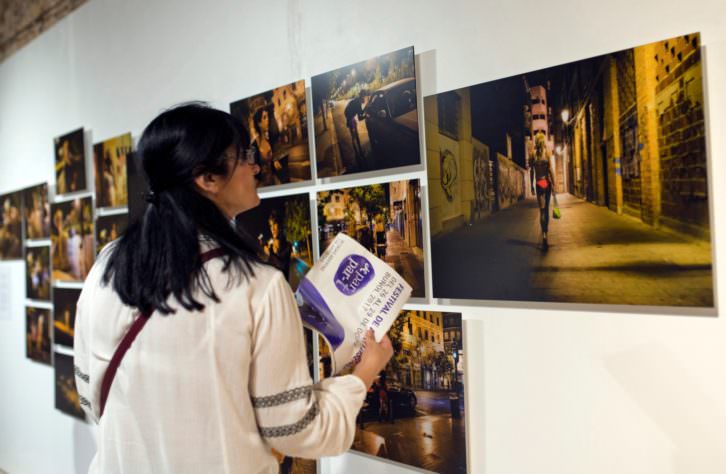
[128, 339]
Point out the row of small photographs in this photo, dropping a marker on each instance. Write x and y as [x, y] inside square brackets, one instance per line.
[23, 213]
[420, 391]
[42, 327]
[74, 235]
[364, 115]
[484, 140]
[109, 160]
[385, 218]
[365, 119]
[29, 213]
[39, 337]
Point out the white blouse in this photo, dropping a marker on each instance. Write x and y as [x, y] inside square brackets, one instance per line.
[209, 391]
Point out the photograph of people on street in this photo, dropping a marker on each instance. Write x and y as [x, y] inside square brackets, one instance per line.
[37, 334]
[365, 116]
[72, 239]
[64, 315]
[281, 228]
[36, 212]
[580, 183]
[67, 399]
[70, 163]
[11, 232]
[109, 160]
[414, 412]
[109, 228]
[37, 273]
[384, 218]
[276, 121]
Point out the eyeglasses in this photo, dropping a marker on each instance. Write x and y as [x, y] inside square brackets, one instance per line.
[245, 156]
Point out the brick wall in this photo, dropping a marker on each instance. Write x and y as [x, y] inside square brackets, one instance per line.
[681, 136]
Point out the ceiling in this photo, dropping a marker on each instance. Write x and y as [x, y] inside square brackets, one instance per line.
[21, 21]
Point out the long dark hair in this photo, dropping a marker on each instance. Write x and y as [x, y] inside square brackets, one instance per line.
[159, 254]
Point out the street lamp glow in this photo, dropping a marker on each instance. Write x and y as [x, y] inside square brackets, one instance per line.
[565, 115]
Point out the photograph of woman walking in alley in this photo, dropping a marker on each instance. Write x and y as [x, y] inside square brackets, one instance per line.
[276, 121]
[542, 183]
[619, 140]
[385, 218]
[365, 116]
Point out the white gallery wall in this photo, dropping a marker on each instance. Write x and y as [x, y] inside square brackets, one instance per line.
[557, 390]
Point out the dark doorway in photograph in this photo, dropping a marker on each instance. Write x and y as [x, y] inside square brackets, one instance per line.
[70, 163]
[64, 315]
[384, 218]
[137, 187]
[366, 117]
[580, 183]
[67, 399]
[276, 122]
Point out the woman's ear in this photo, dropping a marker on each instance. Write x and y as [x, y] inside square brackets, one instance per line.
[208, 183]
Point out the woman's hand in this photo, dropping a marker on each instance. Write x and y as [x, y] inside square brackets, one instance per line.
[374, 358]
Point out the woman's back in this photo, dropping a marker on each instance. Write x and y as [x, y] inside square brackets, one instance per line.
[180, 394]
[208, 391]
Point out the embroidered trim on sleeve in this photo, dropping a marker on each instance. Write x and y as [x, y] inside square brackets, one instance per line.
[282, 398]
[84, 401]
[80, 374]
[289, 430]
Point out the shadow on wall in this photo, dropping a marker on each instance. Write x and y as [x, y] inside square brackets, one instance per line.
[666, 392]
[84, 446]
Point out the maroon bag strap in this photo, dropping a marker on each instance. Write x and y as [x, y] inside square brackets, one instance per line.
[131, 334]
